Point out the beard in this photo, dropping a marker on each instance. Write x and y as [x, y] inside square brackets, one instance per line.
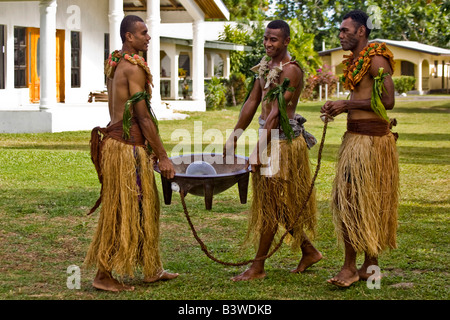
[349, 43]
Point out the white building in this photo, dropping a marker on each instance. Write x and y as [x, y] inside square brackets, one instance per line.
[52, 54]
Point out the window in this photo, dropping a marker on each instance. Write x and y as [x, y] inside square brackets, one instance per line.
[106, 46]
[185, 64]
[75, 41]
[20, 60]
[435, 68]
[106, 49]
[2, 56]
[407, 68]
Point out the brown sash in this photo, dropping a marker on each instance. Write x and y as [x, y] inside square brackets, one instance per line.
[372, 127]
[369, 127]
[115, 132]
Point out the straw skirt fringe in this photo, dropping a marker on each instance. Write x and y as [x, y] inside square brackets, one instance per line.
[278, 199]
[127, 235]
[366, 191]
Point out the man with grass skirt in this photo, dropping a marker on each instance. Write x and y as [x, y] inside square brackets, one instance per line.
[365, 189]
[127, 235]
[281, 183]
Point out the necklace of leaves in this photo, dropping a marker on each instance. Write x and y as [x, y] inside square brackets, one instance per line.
[269, 75]
[355, 70]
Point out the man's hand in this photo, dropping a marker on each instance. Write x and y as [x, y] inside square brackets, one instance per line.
[166, 168]
[229, 149]
[254, 161]
[334, 108]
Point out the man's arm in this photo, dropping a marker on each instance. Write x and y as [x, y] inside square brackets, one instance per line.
[136, 83]
[110, 96]
[334, 108]
[245, 117]
[388, 97]
[272, 122]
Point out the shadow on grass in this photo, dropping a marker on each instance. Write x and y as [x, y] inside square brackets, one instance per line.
[442, 108]
[423, 155]
[53, 203]
[68, 147]
[425, 136]
[407, 154]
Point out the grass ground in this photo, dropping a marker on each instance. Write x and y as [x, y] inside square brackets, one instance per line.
[48, 183]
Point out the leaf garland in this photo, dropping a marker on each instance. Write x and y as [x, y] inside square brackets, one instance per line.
[277, 92]
[114, 59]
[127, 113]
[355, 71]
[377, 91]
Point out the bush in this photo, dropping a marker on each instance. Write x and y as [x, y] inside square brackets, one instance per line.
[322, 77]
[215, 94]
[236, 89]
[404, 83]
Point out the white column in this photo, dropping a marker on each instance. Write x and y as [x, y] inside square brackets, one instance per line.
[174, 77]
[419, 75]
[9, 85]
[153, 54]
[227, 66]
[115, 16]
[198, 65]
[48, 53]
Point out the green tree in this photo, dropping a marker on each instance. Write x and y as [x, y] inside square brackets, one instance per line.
[215, 94]
[249, 34]
[414, 20]
[236, 89]
[246, 9]
[257, 51]
[238, 36]
[423, 21]
[302, 48]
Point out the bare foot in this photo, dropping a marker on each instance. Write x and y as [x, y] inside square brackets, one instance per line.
[249, 274]
[345, 278]
[308, 260]
[104, 281]
[161, 277]
[364, 275]
[370, 265]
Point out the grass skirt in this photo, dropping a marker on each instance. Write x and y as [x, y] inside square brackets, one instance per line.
[127, 235]
[278, 199]
[366, 191]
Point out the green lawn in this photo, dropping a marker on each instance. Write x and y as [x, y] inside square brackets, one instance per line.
[48, 183]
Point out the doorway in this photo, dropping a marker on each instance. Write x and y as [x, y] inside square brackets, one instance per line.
[33, 63]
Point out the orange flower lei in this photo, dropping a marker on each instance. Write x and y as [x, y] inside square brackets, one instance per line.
[354, 71]
[114, 59]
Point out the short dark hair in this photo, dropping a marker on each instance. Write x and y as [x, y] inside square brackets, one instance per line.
[360, 17]
[280, 24]
[128, 25]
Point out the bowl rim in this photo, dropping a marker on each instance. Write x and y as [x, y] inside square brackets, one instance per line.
[219, 175]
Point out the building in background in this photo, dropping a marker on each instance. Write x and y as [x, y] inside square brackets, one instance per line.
[428, 64]
[52, 54]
